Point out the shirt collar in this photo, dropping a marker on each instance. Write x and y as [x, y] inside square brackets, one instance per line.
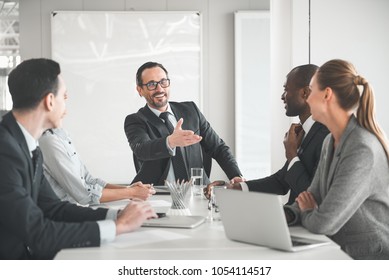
[308, 124]
[157, 112]
[58, 131]
[32, 143]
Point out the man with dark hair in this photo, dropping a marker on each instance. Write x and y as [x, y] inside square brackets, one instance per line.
[35, 224]
[302, 142]
[169, 138]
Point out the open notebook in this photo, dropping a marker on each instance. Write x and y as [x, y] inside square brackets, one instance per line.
[258, 218]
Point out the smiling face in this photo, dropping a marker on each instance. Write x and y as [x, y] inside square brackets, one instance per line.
[316, 100]
[293, 98]
[158, 97]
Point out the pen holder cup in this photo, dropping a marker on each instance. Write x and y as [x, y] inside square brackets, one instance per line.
[180, 194]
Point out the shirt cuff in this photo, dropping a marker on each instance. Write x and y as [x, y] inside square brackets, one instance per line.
[107, 231]
[295, 159]
[172, 152]
[244, 186]
[112, 214]
[101, 182]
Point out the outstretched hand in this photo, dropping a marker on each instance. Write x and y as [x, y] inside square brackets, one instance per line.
[182, 138]
[208, 188]
[237, 179]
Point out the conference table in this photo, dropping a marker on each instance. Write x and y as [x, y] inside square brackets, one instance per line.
[205, 242]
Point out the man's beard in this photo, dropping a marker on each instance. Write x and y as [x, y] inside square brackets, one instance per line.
[159, 104]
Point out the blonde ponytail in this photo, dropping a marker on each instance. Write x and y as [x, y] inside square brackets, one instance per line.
[342, 77]
[366, 112]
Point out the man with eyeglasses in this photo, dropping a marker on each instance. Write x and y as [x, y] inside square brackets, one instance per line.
[169, 138]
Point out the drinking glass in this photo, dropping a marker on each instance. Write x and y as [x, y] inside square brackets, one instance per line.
[196, 175]
[213, 208]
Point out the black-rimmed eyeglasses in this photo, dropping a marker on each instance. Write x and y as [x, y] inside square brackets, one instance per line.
[153, 85]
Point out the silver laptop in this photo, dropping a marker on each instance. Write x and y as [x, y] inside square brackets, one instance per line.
[175, 222]
[258, 218]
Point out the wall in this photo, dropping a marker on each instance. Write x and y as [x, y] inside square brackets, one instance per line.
[352, 29]
[355, 30]
[362, 38]
[218, 45]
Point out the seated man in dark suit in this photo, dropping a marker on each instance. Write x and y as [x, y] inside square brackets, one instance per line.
[302, 142]
[35, 224]
[170, 138]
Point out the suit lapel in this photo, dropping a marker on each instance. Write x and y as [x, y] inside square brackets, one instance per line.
[312, 132]
[177, 113]
[314, 129]
[153, 120]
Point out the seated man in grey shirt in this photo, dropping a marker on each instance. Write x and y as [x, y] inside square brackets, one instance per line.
[71, 180]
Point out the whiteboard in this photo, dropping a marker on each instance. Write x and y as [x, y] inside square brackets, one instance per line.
[252, 93]
[99, 53]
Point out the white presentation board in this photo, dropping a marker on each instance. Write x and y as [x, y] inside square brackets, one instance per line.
[99, 53]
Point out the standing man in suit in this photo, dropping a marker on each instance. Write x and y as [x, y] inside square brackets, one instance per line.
[169, 138]
[35, 224]
[302, 142]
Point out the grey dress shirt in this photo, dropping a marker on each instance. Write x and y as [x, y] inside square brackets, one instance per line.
[57, 138]
[66, 173]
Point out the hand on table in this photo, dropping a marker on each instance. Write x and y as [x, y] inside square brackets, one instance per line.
[141, 191]
[133, 216]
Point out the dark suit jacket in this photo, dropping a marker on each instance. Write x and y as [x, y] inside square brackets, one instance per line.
[34, 223]
[299, 176]
[146, 134]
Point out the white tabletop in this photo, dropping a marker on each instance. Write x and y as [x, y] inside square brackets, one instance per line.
[207, 241]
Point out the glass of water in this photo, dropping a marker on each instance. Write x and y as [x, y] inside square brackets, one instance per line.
[196, 175]
[213, 208]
